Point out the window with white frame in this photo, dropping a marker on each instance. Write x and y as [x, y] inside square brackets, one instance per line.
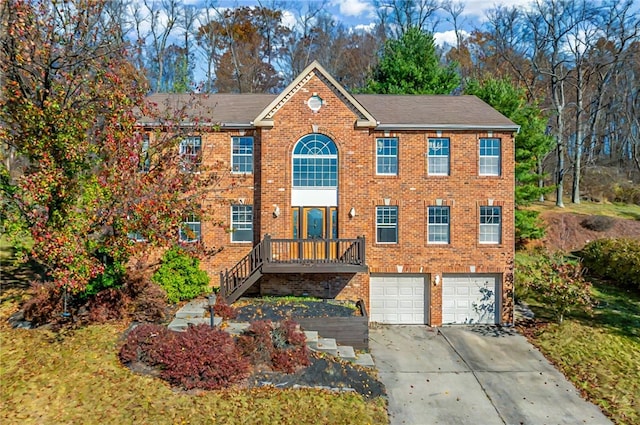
[242, 154]
[191, 153]
[490, 225]
[315, 162]
[241, 223]
[190, 230]
[387, 225]
[438, 226]
[438, 156]
[387, 156]
[489, 157]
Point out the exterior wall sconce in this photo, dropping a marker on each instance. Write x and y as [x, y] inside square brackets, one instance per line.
[352, 212]
[276, 211]
[436, 280]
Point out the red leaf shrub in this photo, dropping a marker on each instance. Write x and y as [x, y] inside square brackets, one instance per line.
[46, 305]
[201, 357]
[143, 342]
[280, 346]
[149, 299]
[222, 309]
[108, 304]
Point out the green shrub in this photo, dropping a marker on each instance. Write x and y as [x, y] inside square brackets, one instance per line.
[180, 275]
[617, 260]
[556, 281]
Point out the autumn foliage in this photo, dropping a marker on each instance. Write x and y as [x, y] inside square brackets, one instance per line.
[71, 180]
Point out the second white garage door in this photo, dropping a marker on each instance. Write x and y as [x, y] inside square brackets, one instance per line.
[397, 300]
[469, 299]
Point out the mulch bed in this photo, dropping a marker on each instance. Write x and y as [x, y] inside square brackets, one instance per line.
[324, 372]
[257, 309]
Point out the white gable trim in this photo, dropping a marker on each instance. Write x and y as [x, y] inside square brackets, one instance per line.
[265, 118]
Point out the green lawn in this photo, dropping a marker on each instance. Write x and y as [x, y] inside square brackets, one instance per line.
[599, 353]
[628, 211]
[75, 377]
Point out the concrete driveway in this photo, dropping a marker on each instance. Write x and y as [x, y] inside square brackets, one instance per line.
[472, 375]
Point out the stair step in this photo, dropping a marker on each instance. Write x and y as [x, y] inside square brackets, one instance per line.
[346, 352]
[312, 338]
[365, 359]
[327, 345]
[181, 324]
[194, 308]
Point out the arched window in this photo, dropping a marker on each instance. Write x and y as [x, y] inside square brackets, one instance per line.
[315, 162]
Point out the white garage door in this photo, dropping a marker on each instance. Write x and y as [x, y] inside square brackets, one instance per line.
[397, 299]
[469, 299]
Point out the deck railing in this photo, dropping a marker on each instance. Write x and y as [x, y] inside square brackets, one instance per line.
[309, 252]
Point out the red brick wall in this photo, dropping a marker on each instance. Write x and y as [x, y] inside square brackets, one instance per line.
[413, 191]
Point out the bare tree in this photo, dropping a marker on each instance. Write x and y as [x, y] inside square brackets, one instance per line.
[398, 16]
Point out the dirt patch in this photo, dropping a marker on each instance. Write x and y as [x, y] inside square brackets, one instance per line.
[566, 233]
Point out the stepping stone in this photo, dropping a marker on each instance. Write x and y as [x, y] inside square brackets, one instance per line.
[346, 352]
[327, 345]
[236, 328]
[190, 310]
[365, 360]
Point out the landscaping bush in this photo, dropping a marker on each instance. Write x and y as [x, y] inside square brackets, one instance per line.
[180, 276]
[149, 300]
[597, 223]
[223, 310]
[280, 346]
[617, 260]
[108, 304]
[200, 357]
[556, 281]
[111, 277]
[46, 305]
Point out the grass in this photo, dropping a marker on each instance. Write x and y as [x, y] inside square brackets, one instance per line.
[628, 211]
[75, 377]
[599, 353]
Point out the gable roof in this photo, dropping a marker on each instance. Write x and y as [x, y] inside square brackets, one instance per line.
[435, 112]
[265, 118]
[376, 111]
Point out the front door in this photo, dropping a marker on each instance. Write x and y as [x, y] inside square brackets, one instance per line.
[315, 225]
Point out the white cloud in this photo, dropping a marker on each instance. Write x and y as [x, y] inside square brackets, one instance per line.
[353, 7]
[288, 19]
[365, 27]
[478, 8]
[447, 37]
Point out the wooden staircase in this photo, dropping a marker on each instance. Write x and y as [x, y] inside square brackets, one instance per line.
[292, 256]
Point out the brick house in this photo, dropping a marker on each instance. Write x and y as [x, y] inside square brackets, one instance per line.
[405, 202]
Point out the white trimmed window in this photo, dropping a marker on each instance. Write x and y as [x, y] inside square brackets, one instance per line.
[190, 230]
[490, 225]
[438, 227]
[241, 223]
[191, 153]
[387, 225]
[438, 156]
[387, 156]
[489, 157]
[242, 155]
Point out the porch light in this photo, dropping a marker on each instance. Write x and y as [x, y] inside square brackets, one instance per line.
[276, 211]
[352, 212]
[436, 280]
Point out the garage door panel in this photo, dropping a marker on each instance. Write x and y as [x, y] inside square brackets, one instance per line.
[468, 299]
[397, 299]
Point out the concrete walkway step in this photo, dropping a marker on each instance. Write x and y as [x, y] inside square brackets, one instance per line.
[365, 359]
[312, 338]
[236, 328]
[346, 352]
[194, 308]
[326, 345]
[181, 324]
